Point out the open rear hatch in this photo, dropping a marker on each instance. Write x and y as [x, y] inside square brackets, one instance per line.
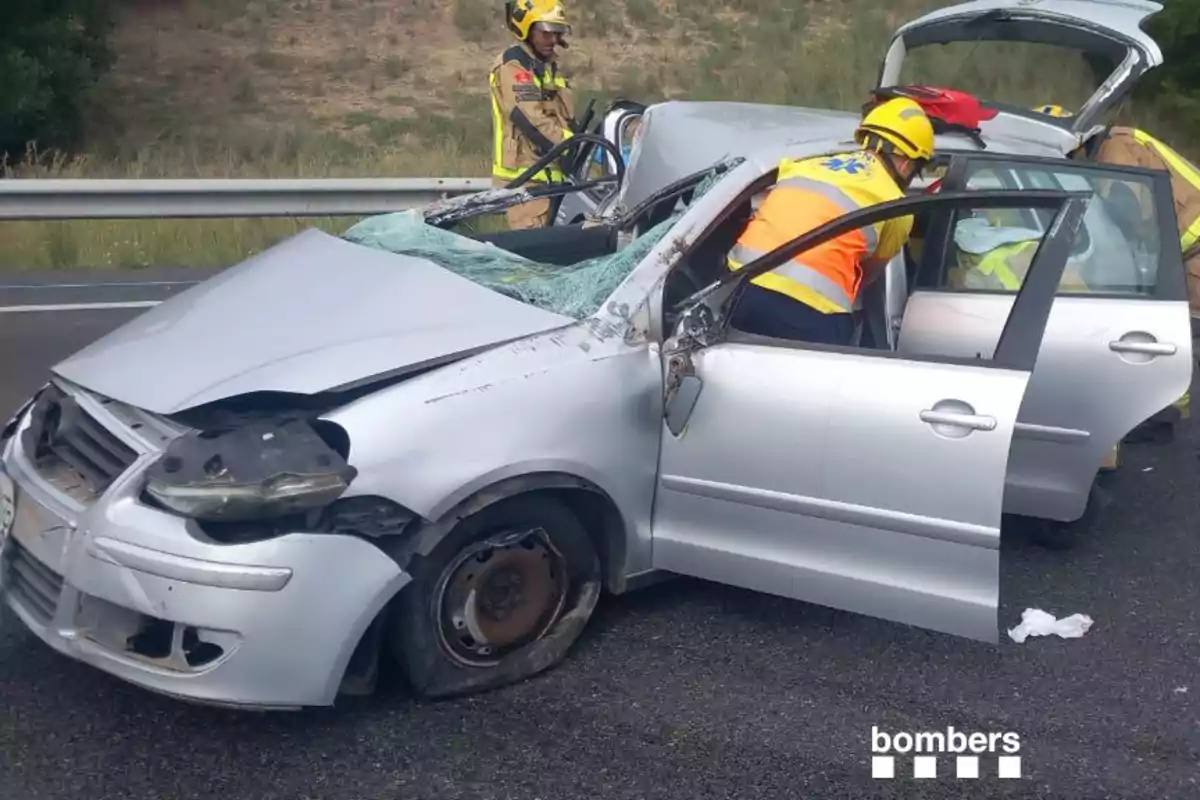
[1107, 34]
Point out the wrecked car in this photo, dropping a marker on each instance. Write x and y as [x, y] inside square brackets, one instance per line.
[407, 441]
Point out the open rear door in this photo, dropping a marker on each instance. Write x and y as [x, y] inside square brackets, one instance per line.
[850, 477]
[1117, 348]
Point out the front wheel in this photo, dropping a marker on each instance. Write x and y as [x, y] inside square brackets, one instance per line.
[500, 599]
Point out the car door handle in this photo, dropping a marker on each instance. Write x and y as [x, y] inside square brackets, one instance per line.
[975, 422]
[1144, 348]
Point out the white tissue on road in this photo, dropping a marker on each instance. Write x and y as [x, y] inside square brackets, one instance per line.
[1035, 622]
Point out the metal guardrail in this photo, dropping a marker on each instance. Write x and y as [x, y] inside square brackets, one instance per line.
[102, 198]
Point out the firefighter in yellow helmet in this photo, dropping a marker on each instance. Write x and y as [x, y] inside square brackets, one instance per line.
[532, 107]
[811, 298]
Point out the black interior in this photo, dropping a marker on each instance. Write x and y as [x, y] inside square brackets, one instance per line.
[562, 245]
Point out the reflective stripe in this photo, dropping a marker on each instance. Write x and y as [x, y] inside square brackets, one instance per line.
[555, 80]
[995, 264]
[1191, 235]
[1185, 169]
[741, 255]
[497, 128]
[838, 198]
[824, 294]
[547, 175]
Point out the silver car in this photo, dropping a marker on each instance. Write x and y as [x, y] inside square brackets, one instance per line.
[408, 441]
[404, 440]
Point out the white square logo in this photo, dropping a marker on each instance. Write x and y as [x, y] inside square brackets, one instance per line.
[1009, 766]
[963, 750]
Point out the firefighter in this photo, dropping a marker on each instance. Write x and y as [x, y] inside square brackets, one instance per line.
[1134, 147]
[811, 298]
[532, 107]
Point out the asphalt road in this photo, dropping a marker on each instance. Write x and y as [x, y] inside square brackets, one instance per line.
[686, 690]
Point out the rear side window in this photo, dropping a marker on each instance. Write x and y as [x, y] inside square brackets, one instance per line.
[1119, 249]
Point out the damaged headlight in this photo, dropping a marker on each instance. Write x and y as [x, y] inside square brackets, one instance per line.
[258, 471]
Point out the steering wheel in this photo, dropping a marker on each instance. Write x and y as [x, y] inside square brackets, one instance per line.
[572, 168]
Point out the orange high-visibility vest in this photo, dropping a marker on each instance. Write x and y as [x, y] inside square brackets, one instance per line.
[809, 193]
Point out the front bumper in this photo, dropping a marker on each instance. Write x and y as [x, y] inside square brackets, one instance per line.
[146, 597]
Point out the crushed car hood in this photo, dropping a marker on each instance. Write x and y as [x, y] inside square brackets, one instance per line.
[311, 314]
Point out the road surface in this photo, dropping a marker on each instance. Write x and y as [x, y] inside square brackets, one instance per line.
[687, 690]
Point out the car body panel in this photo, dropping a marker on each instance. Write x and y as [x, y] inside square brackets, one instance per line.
[578, 403]
[1074, 412]
[827, 474]
[1109, 26]
[1086, 393]
[902, 525]
[312, 313]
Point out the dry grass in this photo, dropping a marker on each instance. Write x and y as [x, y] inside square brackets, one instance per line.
[280, 88]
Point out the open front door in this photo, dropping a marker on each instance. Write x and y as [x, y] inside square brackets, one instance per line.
[1117, 347]
[852, 478]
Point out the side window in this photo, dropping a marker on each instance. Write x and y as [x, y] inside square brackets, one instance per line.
[1117, 251]
[798, 302]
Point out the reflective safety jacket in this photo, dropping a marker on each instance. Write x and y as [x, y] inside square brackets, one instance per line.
[1136, 148]
[807, 194]
[532, 111]
[1003, 268]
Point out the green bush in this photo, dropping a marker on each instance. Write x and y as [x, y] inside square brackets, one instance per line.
[1175, 86]
[51, 51]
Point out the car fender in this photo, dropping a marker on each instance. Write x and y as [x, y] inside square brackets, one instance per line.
[568, 408]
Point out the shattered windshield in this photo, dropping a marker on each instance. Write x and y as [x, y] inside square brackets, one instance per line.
[577, 290]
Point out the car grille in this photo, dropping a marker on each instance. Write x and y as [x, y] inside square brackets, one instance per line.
[35, 586]
[62, 434]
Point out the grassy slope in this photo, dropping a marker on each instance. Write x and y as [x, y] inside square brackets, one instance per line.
[379, 87]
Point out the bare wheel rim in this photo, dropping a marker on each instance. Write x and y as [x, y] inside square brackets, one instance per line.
[499, 595]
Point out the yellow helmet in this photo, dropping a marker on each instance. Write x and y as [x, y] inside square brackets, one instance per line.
[901, 124]
[522, 15]
[1052, 110]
